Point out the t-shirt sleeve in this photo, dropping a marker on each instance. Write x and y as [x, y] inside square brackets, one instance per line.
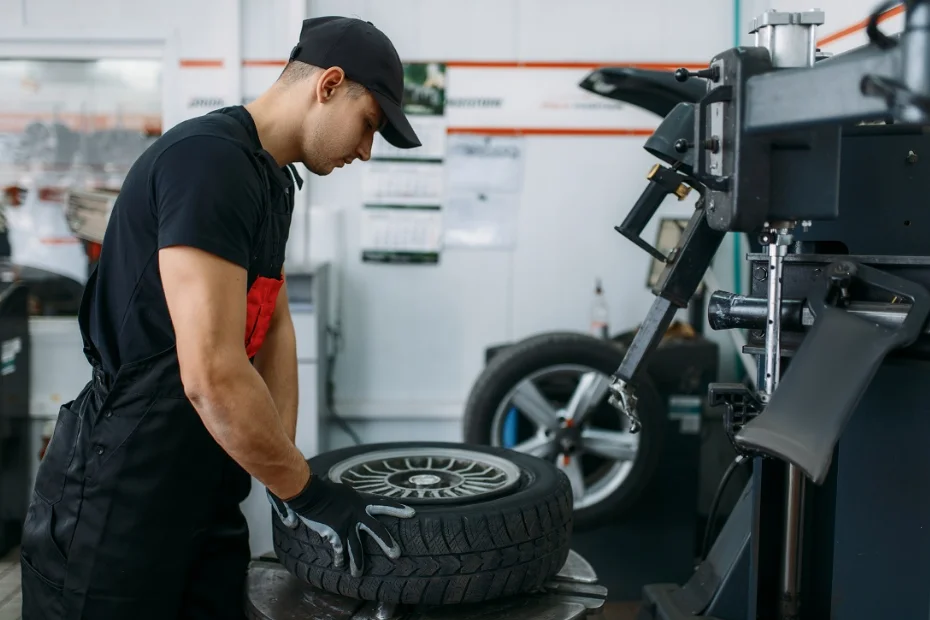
[208, 195]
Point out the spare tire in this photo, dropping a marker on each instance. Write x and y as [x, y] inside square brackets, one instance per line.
[526, 399]
[490, 523]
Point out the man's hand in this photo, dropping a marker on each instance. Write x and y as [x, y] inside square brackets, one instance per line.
[206, 298]
[339, 514]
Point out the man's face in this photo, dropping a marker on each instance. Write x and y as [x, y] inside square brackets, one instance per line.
[340, 130]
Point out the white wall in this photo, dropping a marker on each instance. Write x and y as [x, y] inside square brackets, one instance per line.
[415, 336]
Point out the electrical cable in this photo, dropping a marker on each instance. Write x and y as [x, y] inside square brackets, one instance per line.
[876, 36]
[715, 504]
[336, 334]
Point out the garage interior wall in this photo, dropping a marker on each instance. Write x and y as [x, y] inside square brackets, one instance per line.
[415, 336]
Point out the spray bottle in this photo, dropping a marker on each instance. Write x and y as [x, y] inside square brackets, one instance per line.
[600, 313]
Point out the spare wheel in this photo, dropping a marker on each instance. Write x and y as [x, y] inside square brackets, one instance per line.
[490, 523]
[548, 396]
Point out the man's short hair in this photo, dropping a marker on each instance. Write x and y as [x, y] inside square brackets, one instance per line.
[296, 71]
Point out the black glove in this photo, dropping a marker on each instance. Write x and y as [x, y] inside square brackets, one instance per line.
[339, 514]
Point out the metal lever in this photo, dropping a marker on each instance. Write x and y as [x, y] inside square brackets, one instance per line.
[676, 287]
[832, 368]
[711, 73]
[662, 182]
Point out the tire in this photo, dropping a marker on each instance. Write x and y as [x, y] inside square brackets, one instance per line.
[515, 363]
[465, 551]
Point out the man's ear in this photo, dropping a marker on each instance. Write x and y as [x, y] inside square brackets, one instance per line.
[329, 81]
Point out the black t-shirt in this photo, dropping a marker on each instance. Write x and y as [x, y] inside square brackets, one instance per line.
[205, 183]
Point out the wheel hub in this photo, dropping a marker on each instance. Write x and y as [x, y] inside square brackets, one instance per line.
[425, 480]
[420, 475]
[551, 399]
[568, 438]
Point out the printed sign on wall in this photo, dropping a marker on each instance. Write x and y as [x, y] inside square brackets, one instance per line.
[534, 97]
[403, 189]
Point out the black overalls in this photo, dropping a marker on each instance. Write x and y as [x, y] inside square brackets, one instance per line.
[135, 512]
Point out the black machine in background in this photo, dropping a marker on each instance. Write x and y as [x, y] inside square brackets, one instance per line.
[823, 161]
[14, 410]
[24, 292]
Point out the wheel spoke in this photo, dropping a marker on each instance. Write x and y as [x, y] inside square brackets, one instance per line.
[537, 445]
[588, 394]
[530, 401]
[571, 465]
[613, 445]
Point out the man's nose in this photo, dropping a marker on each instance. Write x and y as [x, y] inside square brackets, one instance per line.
[364, 149]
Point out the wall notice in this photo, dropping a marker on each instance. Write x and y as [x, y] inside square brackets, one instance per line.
[403, 189]
[390, 182]
[484, 186]
[399, 233]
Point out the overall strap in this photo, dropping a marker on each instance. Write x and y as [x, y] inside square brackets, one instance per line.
[87, 298]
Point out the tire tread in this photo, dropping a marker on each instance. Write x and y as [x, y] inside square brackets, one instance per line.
[447, 560]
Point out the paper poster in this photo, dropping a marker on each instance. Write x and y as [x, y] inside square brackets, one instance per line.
[424, 105]
[403, 189]
[481, 220]
[405, 182]
[425, 88]
[399, 233]
[527, 98]
[485, 163]
[484, 182]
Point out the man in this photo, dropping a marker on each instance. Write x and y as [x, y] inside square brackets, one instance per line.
[135, 512]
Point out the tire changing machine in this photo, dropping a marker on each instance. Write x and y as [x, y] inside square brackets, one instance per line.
[832, 522]
[825, 161]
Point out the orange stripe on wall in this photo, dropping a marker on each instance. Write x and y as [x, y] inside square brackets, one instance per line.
[551, 131]
[264, 63]
[203, 63]
[508, 64]
[858, 26]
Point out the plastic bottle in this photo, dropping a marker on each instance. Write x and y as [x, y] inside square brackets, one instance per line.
[600, 313]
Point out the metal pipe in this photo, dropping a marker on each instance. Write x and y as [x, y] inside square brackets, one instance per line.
[778, 241]
[729, 311]
[777, 252]
[793, 530]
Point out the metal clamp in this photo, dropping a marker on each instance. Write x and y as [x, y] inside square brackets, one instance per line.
[742, 406]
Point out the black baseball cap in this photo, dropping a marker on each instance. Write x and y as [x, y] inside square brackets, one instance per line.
[366, 56]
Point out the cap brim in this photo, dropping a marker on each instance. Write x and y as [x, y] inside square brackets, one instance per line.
[397, 130]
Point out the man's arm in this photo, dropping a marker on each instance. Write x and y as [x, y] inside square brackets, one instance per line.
[206, 298]
[276, 362]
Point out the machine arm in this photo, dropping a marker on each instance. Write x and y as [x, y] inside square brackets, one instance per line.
[890, 78]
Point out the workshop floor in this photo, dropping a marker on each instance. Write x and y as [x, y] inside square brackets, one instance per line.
[11, 598]
[612, 611]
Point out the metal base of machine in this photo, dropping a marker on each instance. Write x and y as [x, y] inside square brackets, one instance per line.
[719, 588]
[273, 593]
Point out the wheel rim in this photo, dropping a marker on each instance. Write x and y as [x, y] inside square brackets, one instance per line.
[581, 433]
[428, 475]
